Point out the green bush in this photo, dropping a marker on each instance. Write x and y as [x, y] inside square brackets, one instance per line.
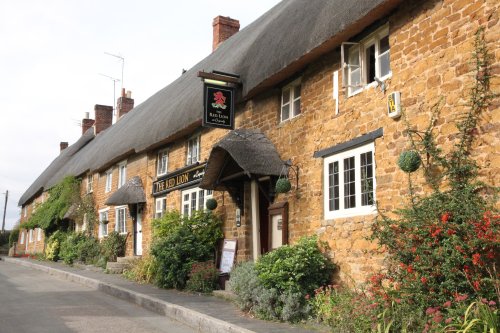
[69, 247]
[112, 247]
[142, 270]
[88, 250]
[52, 251]
[181, 241]
[300, 268]
[266, 303]
[5, 237]
[14, 236]
[203, 277]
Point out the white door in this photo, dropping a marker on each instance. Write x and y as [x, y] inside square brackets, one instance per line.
[138, 233]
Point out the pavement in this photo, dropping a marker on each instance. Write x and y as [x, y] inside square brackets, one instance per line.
[204, 313]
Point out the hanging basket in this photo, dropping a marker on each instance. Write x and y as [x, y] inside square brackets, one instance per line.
[211, 204]
[409, 161]
[283, 185]
[104, 222]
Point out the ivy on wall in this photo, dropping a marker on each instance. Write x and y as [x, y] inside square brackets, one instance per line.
[64, 196]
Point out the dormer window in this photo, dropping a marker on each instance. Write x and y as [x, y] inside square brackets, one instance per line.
[290, 100]
[366, 62]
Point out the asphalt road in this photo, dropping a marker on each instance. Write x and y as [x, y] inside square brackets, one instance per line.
[34, 301]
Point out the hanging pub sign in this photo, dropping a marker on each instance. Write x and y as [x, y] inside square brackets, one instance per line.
[218, 106]
[178, 179]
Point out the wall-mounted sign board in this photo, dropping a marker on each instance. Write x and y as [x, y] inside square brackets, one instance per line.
[179, 179]
[218, 104]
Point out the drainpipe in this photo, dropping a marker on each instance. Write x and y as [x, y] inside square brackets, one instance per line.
[254, 191]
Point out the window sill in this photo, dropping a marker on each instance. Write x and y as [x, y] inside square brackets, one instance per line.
[351, 213]
[373, 84]
[290, 120]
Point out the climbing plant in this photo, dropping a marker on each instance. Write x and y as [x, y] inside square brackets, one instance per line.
[443, 245]
[65, 195]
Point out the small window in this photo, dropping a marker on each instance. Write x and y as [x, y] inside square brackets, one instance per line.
[103, 223]
[121, 221]
[25, 209]
[193, 150]
[109, 180]
[349, 184]
[122, 174]
[162, 163]
[366, 62]
[90, 183]
[31, 236]
[194, 199]
[290, 100]
[39, 234]
[160, 206]
[21, 241]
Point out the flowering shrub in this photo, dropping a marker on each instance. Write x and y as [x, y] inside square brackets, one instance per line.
[444, 245]
[203, 277]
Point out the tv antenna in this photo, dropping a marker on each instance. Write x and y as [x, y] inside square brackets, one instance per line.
[122, 59]
[114, 89]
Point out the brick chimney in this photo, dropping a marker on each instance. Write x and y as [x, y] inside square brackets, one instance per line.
[103, 117]
[224, 27]
[125, 103]
[63, 145]
[87, 123]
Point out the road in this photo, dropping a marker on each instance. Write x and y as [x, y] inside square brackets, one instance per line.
[34, 301]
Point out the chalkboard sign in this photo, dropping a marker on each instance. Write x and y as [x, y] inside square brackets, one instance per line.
[228, 255]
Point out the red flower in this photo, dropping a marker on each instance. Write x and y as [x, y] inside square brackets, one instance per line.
[447, 304]
[445, 217]
[423, 279]
[476, 259]
[460, 298]
[451, 232]
[476, 284]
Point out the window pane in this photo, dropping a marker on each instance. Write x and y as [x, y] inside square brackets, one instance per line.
[296, 107]
[285, 96]
[296, 91]
[385, 67]
[384, 44]
[333, 185]
[370, 64]
[285, 112]
[349, 183]
[193, 201]
[201, 199]
[366, 179]
[355, 78]
[186, 209]
[354, 58]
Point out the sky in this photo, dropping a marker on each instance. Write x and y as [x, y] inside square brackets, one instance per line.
[54, 68]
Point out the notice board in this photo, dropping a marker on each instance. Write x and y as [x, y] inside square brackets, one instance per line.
[228, 255]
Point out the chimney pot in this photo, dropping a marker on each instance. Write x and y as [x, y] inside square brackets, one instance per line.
[103, 117]
[223, 28]
[87, 123]
[63, 145]
[125, 103]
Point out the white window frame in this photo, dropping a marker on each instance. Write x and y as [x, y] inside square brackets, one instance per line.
[358, 209]
[347, 50]
[31, 236]
[22, 237]
[290, 91]
[187, 200]
[39, 234]
[193, 150]
[122, 174]
[103, 228]
[117, 220]
[90, 183]
[160, 206]
[109, 181]
[162, 163]
[25, 208]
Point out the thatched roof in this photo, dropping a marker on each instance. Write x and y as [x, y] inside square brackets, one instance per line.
[274, 47]
[130, 193]
[243, 151]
